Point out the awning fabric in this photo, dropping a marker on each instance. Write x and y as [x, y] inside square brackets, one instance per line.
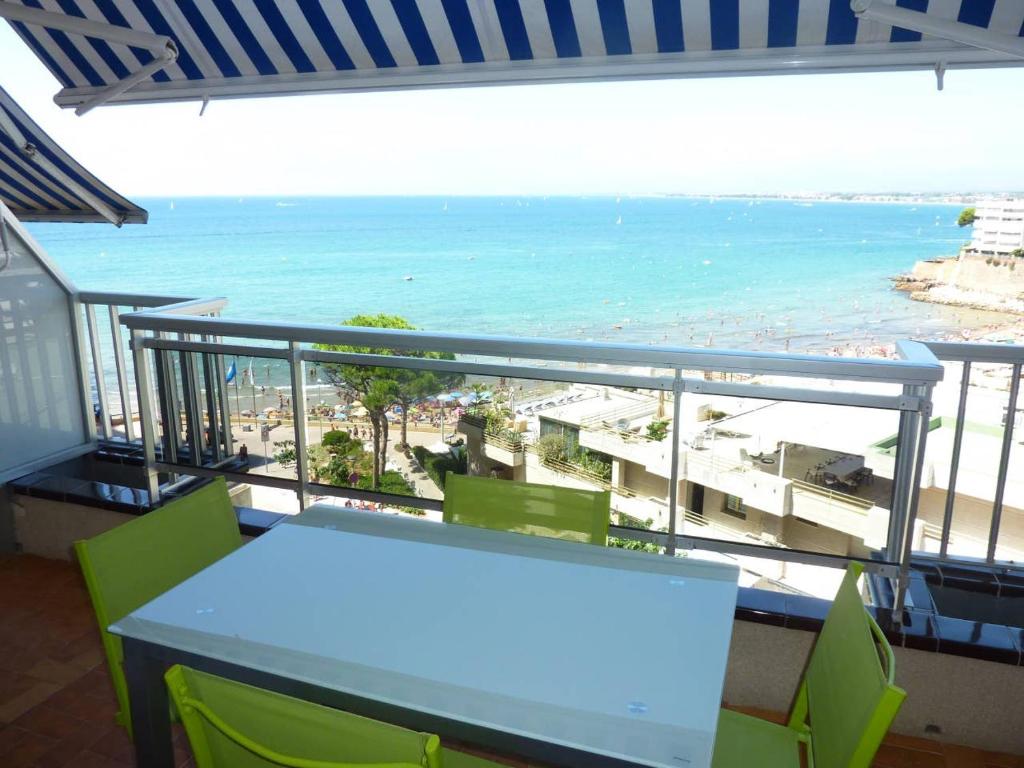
[39, 181]
[231, 48]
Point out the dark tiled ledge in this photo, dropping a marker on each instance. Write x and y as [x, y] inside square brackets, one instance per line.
[131, 501]
[923, 630]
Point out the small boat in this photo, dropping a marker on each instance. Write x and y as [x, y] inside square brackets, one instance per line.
[619, 220]
[407, 278]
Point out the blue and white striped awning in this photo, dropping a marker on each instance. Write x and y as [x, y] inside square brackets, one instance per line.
[39, 181]
[197, 49]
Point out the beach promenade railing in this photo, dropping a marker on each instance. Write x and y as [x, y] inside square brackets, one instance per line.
[179, 349]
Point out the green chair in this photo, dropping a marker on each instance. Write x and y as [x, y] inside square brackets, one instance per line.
[844, 706]
[130, 565]
[541, 510]
[231, 725]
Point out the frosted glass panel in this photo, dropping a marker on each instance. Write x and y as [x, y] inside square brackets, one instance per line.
[40, 407]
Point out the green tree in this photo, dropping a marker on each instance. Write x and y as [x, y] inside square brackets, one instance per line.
[967, 217]
[380, 387]
[413, 386]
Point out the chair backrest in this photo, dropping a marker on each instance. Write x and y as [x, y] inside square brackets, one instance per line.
[850, 695]
[541, 510]
[232, 725]
[130, 565]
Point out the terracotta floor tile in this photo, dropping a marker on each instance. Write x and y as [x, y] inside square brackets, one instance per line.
[67, 751]
[19, 705]
[94, 760]
[27, 750]
[55, 687]
[114, 744]
[49, 722]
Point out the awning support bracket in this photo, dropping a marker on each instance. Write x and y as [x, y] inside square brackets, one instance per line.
[163, 48]
[921, 21]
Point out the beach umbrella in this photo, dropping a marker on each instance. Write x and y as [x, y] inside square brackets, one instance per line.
[444, 398]
[455, 394]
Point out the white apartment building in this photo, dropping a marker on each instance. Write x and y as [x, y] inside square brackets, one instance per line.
[999, 227]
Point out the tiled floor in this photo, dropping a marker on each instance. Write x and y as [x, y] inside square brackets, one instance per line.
[57, 705]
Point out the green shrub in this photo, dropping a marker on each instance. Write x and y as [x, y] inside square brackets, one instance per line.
[657, 430]
[553, 447]
[341, 442]
[390, 482]
[594, 463]
[438, 466]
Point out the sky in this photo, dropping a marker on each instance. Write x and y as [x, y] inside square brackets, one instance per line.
[845, 133]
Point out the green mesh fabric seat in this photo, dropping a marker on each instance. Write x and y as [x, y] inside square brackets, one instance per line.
[231, 725]
[128, 566]
[541, 510]
[844, 706]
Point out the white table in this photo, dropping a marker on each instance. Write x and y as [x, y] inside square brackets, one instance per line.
[563, 652]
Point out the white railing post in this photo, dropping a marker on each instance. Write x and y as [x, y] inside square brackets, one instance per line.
[144, 387]
[919, 428]
[122, 375]
[1004, 463]
[97, 366]
[673, 487]
[82, 364]
[954, 464]
[299, 421]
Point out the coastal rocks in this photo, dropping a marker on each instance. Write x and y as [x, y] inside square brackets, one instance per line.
[912, 284]
[970, 280]
[959, 297]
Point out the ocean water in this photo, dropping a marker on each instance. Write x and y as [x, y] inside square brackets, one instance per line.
[729, 272]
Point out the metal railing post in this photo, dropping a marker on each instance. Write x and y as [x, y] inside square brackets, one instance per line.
[122, 375]
[673, 487]
[1004, 463]
[299, 421]
[899, 500]
[144, 387]
[227, 432]
[212, 405]
[82, 363]
[190, 397]
[924, 395]
[171, 416]
[954, 464]
[97, 366]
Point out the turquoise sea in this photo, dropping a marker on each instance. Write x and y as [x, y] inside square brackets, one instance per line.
[738, 273]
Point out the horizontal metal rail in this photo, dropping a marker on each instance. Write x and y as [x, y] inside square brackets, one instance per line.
[685, 358]
[118, 299]
[862, 505]
[976, 353]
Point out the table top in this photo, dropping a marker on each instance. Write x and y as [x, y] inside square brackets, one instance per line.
[844, 466]
[615, 652]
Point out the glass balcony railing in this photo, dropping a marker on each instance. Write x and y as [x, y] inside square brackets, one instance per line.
[759, 457]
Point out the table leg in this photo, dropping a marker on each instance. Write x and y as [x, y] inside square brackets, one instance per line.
[150, 708]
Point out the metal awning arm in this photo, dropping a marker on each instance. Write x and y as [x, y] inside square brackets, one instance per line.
[163, 48]
[920, 21]
[32, 154]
